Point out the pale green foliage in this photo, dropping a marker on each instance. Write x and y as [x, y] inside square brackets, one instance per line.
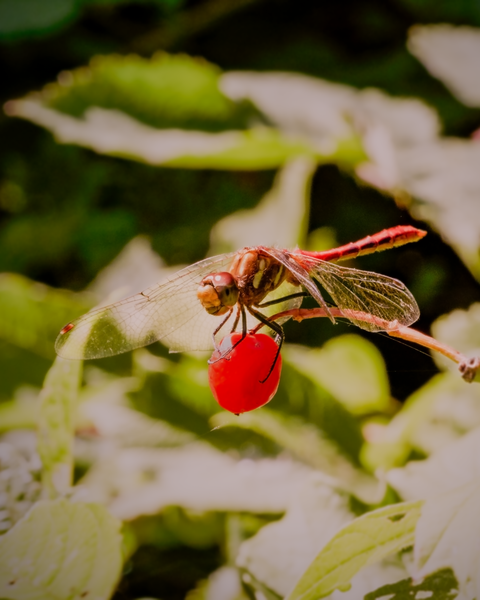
[61, 550]
[365, 390]
[446, 533]
[30, 312]
[56, 425]
[169, 464]
[365, 541]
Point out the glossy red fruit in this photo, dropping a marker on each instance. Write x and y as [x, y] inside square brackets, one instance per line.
[235, 380]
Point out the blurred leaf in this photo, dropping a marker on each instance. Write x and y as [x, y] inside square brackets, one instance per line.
[134, 269]
[459, 329]
[224, 584]
[449, 53]
[442, 585]
[20, 475]
[22, 18]
[325, 113]
[176, 527]
[280, 552]
[385, 572]
[453, 467]
[165, 92]
[307, 444]
[104, 405]
[61, 550]
[363, 542]
[164, 110]
[280, 219]
[58, 400]
[437, 413]
[142, 481]
[447, 536]
[300, 396]
[437, 172]
[365, 389]
[21, 412]
[115, 133]
[31, 313]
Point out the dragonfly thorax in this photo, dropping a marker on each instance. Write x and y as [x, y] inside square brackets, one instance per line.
[252, 276]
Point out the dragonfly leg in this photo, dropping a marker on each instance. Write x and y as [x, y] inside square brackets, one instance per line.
[277, 328]
[220, 326]
[278, 300]
[241, 311]
[237, 318]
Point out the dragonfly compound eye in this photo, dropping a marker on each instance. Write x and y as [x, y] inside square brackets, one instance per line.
[218, 293]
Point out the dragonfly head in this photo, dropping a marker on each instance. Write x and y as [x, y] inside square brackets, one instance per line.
[218, 293]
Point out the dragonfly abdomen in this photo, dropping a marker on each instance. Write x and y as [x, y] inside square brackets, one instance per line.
[384, 240]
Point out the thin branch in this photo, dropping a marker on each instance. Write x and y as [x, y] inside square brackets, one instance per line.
[468, 367]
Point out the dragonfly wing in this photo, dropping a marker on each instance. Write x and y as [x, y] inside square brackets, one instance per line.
[385, 299]
[300, 272]
[169, 311]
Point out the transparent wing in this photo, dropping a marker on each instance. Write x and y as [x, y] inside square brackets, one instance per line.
[169, 311]
[354, 291]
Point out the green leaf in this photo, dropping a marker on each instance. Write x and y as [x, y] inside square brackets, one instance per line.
[56, 425]
[442, 585]
[170, 110]
[22, 18]
[439, 473]
[365, 390]
[434, 415]
[61, 550]
[165, 91]
[31, 313]
[363, 542]
[281, 551]
[447, 532]
[447, 536]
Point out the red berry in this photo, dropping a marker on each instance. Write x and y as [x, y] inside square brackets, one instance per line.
[235, 380]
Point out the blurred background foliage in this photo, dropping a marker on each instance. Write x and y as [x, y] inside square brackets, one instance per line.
[116, 219]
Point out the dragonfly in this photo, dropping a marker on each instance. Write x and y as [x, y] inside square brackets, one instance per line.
[244, 287]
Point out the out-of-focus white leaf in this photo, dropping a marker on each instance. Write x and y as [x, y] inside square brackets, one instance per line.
[326, 113]
[222, 584]
[460, 329]
[451, 54]
[139, 481]
[61, 550]
[20, 473]
[279, 219]
[105, 407]
[365, 541]
[436, 414]
[448, 535]
[448, 531]
[136, 268]
[306, 443]
[297, 104]
[280, 552]
[113, 132]
[456, 465]
[444, 175]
